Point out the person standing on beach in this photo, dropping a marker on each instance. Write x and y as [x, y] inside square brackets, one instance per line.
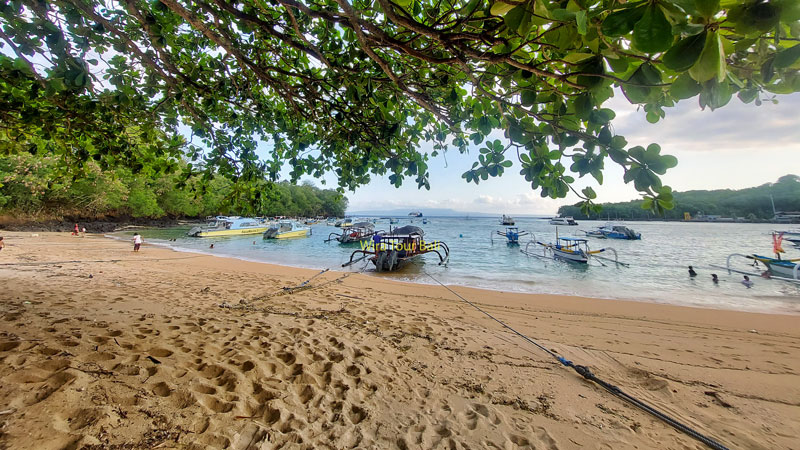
[137, 242]
[75, 231]
[2, 244]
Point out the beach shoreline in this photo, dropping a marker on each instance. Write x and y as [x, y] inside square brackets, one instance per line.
[356, 360]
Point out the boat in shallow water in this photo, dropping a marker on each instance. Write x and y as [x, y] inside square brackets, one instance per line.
[567, 221]
[614, 231]
[358, 232]
[512, 235]
[230, 226]
[287, 229]
[389, 252]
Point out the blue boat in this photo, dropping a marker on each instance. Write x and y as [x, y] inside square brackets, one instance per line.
[612, 231]
[512, 235]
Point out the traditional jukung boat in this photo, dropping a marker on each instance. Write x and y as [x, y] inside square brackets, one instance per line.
[358, 232]
[573, 250]
[779, 269]
[230, 226]
[390, 251]
[287, 229]
[512, 235]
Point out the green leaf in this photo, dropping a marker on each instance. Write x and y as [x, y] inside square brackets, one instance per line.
[580, 19]
[684, 87]
[528, 97]
[652, 33]
[499, 8]
[622, 22]
[707, 8]
[638, 89]
[786, 58]
[589, 193]
[711, 63]
[685, 53]
[514, 17]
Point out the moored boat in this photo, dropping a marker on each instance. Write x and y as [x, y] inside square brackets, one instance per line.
[507, 220]
[287, 229]
[567, 221]
[512, 235]
[614, 231]
[358, 232]
[230, 226]
[390, 251]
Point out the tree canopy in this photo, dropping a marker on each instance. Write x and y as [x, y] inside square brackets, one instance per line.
[357, 87]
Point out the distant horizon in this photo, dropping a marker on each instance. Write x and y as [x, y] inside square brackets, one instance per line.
[450, 212]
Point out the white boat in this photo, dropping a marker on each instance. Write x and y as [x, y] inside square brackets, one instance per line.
[415, 214]
[230, 226]
[567, 221]
[613, 231]
[573, 250]
[507, 220]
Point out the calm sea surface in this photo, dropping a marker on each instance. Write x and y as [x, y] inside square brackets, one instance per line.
[657, 272]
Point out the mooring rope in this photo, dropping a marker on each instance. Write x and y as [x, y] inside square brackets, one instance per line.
[586, 373]
[78, 261]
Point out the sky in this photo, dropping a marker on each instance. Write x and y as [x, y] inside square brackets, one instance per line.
[737, 146]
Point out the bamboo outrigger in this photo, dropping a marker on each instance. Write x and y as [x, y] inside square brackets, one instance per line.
[390, 251]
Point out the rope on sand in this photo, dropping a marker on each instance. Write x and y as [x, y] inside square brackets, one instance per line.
[587, 374]
[80, 261]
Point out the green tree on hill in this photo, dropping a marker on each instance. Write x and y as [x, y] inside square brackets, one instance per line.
[751, 203]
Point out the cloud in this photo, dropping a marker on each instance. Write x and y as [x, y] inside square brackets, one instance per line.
[734, 127]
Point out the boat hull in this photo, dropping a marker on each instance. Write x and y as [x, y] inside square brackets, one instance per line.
[291, 234]
[217, 233]
[569, 256]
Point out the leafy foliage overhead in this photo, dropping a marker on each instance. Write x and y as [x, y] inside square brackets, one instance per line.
[356, 87]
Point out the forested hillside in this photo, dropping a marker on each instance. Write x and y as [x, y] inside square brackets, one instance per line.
[40, 188]
[751, 203]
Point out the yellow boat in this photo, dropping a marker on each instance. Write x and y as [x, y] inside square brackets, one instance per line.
[230, 226]
[287, 229]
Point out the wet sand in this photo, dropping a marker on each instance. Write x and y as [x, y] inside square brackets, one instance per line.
[163, 349]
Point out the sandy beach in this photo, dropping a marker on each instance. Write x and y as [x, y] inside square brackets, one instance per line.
[104, 348]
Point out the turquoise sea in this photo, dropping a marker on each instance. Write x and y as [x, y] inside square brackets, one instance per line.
[657, 272]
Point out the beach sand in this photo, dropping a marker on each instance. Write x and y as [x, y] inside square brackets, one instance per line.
[163, 349]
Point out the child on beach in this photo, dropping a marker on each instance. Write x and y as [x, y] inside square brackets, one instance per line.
[137, 242]
[75, 231]
[2, 244]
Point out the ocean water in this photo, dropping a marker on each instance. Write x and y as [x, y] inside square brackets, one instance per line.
[657, 273]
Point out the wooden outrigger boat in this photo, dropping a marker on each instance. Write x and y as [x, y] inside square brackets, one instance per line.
[358, 232]
[512, 235]
[573, 250]
[390, 251]
[779, 269]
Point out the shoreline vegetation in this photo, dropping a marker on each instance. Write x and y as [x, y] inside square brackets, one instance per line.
[753, 204]
[169, 349]
[35, 189]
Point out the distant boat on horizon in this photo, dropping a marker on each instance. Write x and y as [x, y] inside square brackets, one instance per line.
[415, 214]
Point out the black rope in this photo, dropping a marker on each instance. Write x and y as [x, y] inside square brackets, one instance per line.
[586, 373]
[78, 261]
